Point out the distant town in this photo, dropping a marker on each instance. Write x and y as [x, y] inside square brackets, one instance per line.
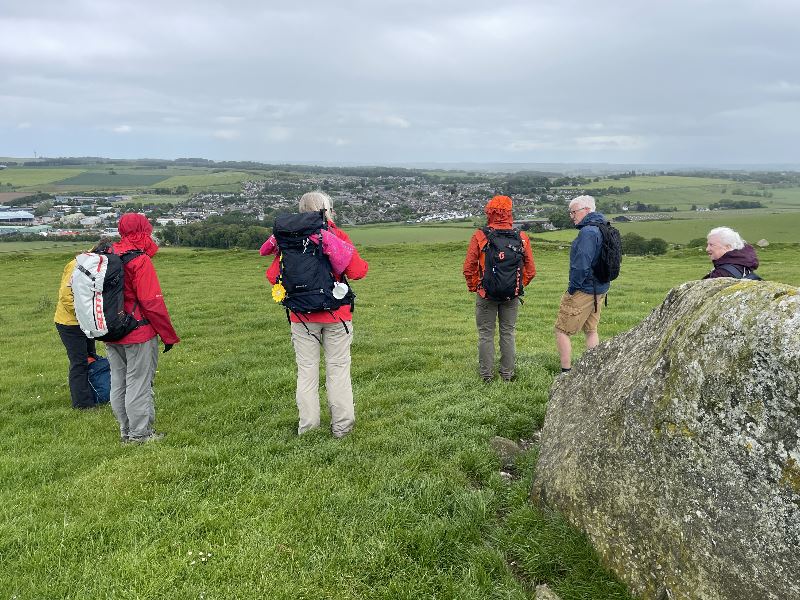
[251, 194]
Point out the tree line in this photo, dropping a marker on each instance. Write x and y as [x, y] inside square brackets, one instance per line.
[216, 232]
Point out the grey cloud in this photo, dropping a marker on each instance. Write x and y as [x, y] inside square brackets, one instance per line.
[367, 81]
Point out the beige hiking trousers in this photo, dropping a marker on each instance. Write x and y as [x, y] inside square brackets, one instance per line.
[335, 341]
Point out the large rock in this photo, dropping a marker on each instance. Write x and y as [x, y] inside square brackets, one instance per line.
[674, 446]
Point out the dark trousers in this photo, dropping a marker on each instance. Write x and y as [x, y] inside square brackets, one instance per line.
[79, 348]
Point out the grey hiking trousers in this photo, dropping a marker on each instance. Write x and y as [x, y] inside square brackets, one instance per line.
[133, 367]
[487, 313]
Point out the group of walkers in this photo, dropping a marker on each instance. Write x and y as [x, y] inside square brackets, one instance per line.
[499, 265]
[580, 305]
[134, 357]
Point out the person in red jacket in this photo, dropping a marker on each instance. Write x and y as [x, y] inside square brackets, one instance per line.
[489, 310]
[333, 330]
[134, 358]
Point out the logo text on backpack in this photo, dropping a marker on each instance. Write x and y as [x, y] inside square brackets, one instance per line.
[98, 311]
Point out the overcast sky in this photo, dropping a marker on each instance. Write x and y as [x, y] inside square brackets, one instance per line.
[381, 82]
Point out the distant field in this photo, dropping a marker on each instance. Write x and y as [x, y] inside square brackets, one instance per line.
[782, 227]
[106, 180]
[25, 177]
[208, 179]
[683, 192]
[378, 235]
[684, 198]
[43, 245]
[655, 183]
[9, 196]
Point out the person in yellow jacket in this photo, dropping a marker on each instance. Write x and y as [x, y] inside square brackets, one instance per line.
[79, 348]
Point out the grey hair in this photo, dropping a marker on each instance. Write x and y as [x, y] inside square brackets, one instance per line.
[727, 237]
[583, 201]
[315, 201]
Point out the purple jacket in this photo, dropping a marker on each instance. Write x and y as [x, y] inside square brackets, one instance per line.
[746, 257]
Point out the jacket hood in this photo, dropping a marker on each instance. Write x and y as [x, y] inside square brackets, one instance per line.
[499, 219]
[593, 218]
[499, 212]
[746, 257]
[134, 230]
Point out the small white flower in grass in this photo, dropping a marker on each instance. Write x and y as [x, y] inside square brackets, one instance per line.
[190, 552]
[193, 562]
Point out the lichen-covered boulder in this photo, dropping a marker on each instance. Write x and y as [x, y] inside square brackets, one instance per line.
[675, 446]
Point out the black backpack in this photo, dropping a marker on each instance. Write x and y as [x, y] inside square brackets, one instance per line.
[503, 259]
[606, 269]
[305, 271]
[98, 286]
[743, 273]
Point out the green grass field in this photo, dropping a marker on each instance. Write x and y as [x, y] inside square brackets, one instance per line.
[36, 176]
[208, 180]
[380, 235]
[683, 192]
[107, 180]
[411, 505]
[51, 244]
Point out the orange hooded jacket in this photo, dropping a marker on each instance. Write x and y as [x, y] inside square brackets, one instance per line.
[499, 216]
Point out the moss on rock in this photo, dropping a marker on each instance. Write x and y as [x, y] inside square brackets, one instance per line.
[675, 446]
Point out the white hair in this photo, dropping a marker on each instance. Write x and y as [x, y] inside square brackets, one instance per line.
[316, 201]
[727, 237]
[582, 202]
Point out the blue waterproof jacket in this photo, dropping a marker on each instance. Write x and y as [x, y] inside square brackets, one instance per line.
[584, 253]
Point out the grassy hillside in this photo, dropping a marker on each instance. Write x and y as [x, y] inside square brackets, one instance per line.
[232, 504]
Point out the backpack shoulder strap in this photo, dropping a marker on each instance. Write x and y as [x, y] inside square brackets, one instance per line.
[483, 242]
[732, 270]
[128, 256]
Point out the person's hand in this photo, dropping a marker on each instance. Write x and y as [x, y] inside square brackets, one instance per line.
[168, 347]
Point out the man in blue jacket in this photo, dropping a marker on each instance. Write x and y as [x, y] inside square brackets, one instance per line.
[580, 305]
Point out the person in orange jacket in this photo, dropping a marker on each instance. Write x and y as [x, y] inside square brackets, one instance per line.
[504, 306]
[134, 358]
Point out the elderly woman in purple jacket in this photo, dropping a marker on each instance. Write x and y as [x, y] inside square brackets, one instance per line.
[730, 254]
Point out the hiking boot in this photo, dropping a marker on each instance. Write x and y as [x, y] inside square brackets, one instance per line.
[509, 378]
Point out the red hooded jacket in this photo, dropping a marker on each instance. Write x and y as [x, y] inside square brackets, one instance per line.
[142, 291]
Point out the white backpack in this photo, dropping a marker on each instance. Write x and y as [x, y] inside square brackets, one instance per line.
[98, 284]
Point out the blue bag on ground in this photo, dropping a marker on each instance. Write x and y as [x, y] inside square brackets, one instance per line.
[100, 380]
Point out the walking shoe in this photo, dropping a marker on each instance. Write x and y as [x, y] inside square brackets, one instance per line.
[153, 437]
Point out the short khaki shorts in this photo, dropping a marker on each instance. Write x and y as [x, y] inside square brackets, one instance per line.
[576, 312]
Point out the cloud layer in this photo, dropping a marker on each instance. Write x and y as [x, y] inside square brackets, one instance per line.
[382, 82]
